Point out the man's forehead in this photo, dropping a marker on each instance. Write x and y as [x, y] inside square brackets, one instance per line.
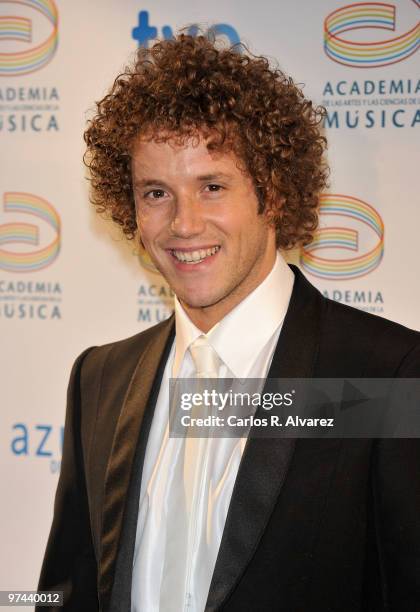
[188, 153]
[178, 142]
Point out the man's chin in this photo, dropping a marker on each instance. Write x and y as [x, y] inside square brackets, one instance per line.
[197, 302]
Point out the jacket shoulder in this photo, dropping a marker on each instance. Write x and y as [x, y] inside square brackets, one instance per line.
[380, 345]
[369, 323]
[123, 354]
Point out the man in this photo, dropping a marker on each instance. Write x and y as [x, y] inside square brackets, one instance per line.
[214, 160]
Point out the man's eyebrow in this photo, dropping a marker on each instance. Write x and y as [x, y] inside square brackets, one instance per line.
[213, 177]
[148, 182]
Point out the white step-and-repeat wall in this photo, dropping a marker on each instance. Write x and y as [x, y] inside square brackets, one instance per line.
[68, 280]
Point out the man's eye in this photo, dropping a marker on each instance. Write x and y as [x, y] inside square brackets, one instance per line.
[214, 187]
[155, 194]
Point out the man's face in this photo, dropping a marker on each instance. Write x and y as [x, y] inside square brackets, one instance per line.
[197, 214]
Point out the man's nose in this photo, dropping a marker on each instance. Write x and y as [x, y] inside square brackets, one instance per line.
[188, 219]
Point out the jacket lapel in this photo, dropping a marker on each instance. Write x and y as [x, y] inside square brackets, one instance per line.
[265, 461]
[118, 474]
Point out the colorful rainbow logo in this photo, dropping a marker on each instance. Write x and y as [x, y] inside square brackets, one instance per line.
[15, 28]
[27, 233]
[20, 28]
[344, 238]
[368, 15]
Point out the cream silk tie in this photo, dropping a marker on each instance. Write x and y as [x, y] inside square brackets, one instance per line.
[205, 359]
[185, 500]
[206, 363]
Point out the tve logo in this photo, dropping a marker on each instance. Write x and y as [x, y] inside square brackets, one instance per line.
[144, 32]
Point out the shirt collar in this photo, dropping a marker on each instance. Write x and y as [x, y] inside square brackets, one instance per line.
[234, 339]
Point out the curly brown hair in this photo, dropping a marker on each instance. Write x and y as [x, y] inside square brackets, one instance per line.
[191, 86]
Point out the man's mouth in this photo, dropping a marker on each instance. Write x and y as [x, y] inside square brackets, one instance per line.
[194, 257]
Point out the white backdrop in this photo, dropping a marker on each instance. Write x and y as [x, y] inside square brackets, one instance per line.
[68, 280]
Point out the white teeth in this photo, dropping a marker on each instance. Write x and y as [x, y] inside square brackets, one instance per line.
[193, 257]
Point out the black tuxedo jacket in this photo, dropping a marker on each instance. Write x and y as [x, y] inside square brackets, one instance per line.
[314, 525]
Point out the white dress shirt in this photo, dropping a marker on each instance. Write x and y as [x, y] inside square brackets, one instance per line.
[244, 340]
